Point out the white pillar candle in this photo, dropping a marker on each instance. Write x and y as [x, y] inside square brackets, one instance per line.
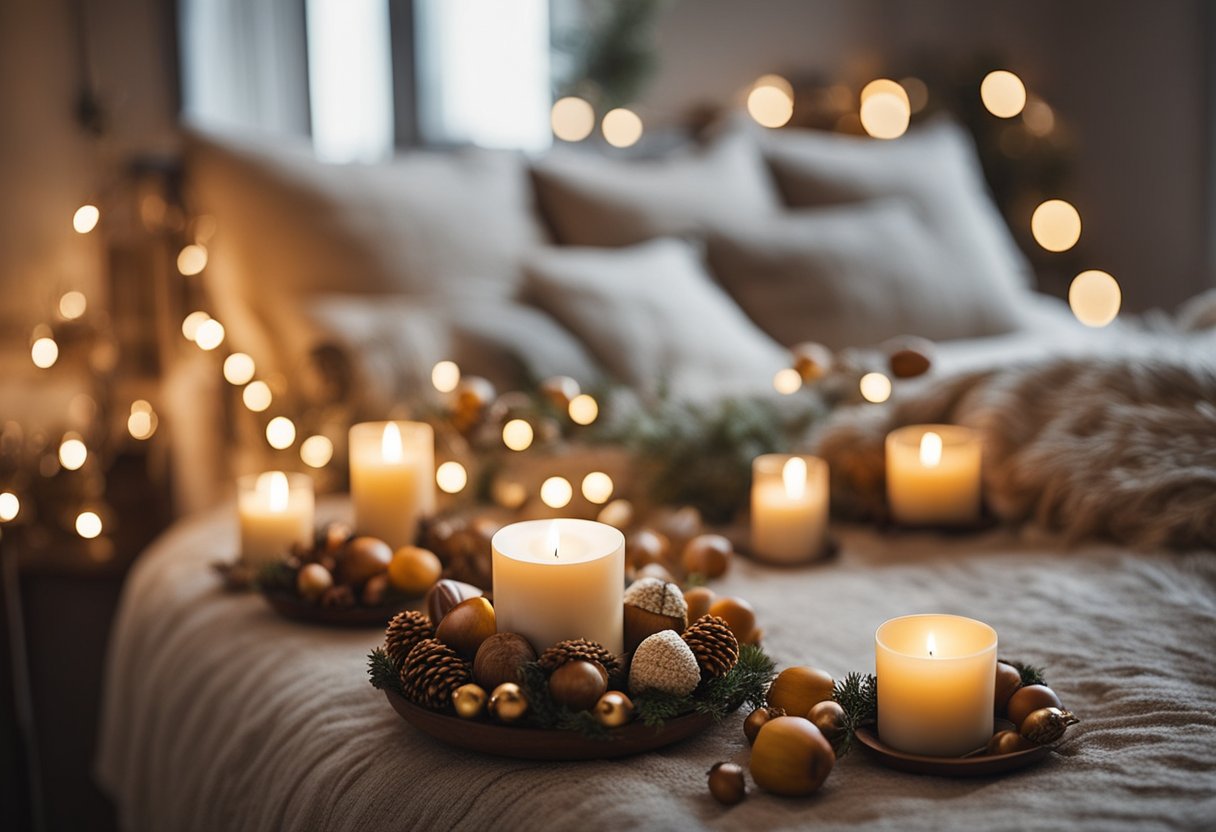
[392, 479]
[275, 511]
[789, 507]
[933, 475]
[936, 679]
[560, 579]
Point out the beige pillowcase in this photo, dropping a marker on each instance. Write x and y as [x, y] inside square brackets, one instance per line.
[935, 168]
[655, 319]
[591, 200]
[851, 276]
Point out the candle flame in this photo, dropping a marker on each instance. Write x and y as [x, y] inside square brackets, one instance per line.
[272, 485]
[553, 538]
[794, 475]
[930, 450]
[931, 645]
[390, 443]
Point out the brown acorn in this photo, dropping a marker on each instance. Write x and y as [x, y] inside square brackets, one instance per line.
[651, 606]
[646, 546]
[726, 783]
[466, 626]
[1028, 699]
[698, 599]
[577, 685]
[312, 580]
[909, 363]
[1007, 742]
[500, 658]
[830, 719]
[445, 594]
[1008, 680]
[708, 555]
[363, 558]
[756, 719]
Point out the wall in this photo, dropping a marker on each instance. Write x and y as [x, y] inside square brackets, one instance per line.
[1129, 77]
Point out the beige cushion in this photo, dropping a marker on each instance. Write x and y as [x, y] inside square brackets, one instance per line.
[655, 319]
[935, 168]
[595, 201]
[851, 276]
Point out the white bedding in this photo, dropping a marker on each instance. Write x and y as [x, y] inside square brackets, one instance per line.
[218, 715]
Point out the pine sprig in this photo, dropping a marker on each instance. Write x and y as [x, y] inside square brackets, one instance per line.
[1030, 674]
[383, 672]
[656, 708]
[857, 695]
[276, 576]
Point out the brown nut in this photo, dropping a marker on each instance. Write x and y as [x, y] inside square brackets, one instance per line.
[374, 591]
[578, 685]
[708, 555]
[312, 580]
[698, 599]
[363, 558]
[741, 618]
[726, 783]
[444, 595]
[500, 658]
[646, 546]
[466, 626]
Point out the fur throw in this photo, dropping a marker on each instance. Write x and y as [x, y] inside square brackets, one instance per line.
[1123, 449]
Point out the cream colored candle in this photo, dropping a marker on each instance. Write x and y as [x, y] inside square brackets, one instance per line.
[789, 507]
[275, 511]
[936, 675]
[560, 579]
[392, 479]
[933, 475]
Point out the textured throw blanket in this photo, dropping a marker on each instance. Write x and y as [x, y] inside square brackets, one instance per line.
[219, 715]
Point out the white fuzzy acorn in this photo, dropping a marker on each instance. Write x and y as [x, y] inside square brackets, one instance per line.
[664, 663]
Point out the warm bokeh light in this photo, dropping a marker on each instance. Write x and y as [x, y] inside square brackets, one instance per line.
[192, 322]
[884, 109]
[141, 406]
[1038, 116]
[72, 454]
[583, 409]
[572, 119]
[141, 423]
[316, 451]
[1003, 93]
[44, 352]
[85, 219]
[10, 506]
[771, 101]
[917, 92]
[445, 375]
[192, 259]
[1095, 298]
[622, 128]
[508, 493]
[598, 487]
[1056, 225]
[556, 492]
[238, 368]
[787, 381]
[280, 432]
[257, 396]
[88, 524]
[875, 387]
[884, 85]
[209, 335]
[451, 477]
[72, 305]
[517, 435]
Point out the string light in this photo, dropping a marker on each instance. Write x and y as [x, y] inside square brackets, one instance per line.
[597, 487]
[280, 432]
[875, 387]
[572, 119]
[142, 421]
[44, 352]
[787, 381]
[1056, 225]
[885, 110]
[88, 524]
[445, 375]
[72, 305]
[192, 322]
[238, 369]
[517, 435]
[622, 128]
[192, 259]
[85, 219]
[1095, 298]
[316, 451]
[257, 396]
[1003, 93]
[451, 477]
[556, 492]
[72, 454]
[771, 101]
[209, 335]
[583, 409]
[10, 506]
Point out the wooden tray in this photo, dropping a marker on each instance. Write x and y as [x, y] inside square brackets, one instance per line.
[972, 765]
[297, 609]
[541, 744]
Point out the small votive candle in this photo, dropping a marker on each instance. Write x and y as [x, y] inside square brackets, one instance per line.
[276, 512]
[392, 479]
[789, 507]
[936, 681]
[933, 475]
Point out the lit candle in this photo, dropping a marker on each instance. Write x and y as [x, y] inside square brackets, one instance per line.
[933, 475]
[789, 507]
[392, 478]
[560, 579]
[276, 512]
[936, 675]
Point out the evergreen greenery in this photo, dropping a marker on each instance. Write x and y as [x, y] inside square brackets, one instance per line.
[383, 672]
[857, 695]
[1030, 674]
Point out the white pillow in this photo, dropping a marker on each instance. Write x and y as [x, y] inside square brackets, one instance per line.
[591, 200]
[852, 276]
[655, 319]
[936, 169]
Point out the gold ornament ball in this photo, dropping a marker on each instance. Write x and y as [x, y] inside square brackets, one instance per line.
[578, 685]
[1029, 699]
[708, 555]
[312, 580]
[414, 570]
[614, 709]
[756, 720]
[726, 783]
[508, 703]
[469, 701]
[791, 757]
[798, 689]
[1007, 742]
[1047, 725]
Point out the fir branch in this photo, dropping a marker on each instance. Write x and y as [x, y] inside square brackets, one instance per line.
[1030, 674]
[654, 708]
[748, 681]
[857, 695]
[382, 672]
[276, 576]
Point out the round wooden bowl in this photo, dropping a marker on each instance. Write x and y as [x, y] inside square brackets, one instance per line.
[972, 765]
[546, 744]
[297, 609]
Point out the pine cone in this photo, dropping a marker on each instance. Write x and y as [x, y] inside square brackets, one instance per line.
[404, 631]
[579, 649]
[714, 645]
[431, 672]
